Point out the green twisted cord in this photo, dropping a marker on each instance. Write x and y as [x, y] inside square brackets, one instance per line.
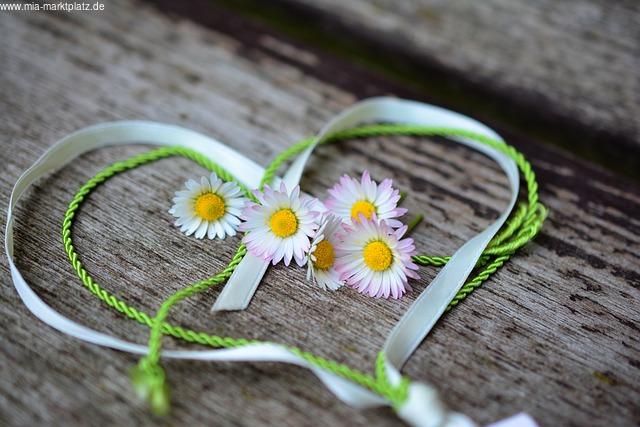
[148, 377]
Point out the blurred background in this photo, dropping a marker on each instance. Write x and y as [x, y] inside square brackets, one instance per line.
[566, 72]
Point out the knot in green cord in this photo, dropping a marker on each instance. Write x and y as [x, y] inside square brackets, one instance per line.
[396, 394]
[149, 383]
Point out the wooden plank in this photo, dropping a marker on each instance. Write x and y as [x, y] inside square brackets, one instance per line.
[554, 333]
[580, 57]
[564, 71]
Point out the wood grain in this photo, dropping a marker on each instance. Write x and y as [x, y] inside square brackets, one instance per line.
[579, 57]
[564, 71]
[554, 333]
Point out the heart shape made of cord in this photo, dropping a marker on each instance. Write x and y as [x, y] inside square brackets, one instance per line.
[414, 402]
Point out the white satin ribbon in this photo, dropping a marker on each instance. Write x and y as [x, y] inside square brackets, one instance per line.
[414, 326]
[430, 305]
[421, 408]
[244, 281]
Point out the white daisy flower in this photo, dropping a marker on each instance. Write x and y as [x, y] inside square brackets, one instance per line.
[321, 256]
[349, 199]
[210, 208]
[373, 258]
[280, 226]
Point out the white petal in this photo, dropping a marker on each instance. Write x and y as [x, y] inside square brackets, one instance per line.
[215, 185]
[279, 253]
[231, 218]
[376, 282]
[228, 228]
[219, 230]
[201, 231]
[192, 226]
[288, 255]
[204, 185]
[211, 231]
[192, 185]
[236, 202]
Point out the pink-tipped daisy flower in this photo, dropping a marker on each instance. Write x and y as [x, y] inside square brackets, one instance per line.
[351, 198]
[321, 257]
[280, 226]
[374, 258]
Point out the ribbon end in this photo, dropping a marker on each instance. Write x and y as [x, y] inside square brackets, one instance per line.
[519, 420]
[237, 293]
[222, 306]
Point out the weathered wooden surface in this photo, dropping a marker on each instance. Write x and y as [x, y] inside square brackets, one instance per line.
[567, 70]
[554, 333]
[581, 57]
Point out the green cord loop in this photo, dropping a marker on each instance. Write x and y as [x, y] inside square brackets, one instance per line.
[148, 377]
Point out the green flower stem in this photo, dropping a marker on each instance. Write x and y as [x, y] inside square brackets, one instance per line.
[413, 223]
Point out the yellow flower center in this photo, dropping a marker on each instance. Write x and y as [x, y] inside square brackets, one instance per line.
[377, 255]
[284, 223]
[324, 255]
[209, 206]
[363, 207]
